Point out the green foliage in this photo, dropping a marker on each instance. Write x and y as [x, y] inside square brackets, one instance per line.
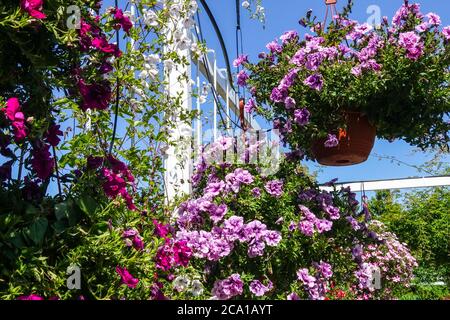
[422, 220]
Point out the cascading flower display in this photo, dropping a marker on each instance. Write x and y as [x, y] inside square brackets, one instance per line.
[280, 236]
[353, 67]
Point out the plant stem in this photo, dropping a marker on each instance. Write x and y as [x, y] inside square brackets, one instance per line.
[22, 153]
[116, 110]
[57, 171]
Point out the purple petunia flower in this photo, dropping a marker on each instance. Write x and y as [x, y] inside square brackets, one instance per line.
[250, 105]
[289, 36]
[434, 19]
[274, 188]
[240, 60]
[228, 288]
[259, 289]
[289, 103]
[274, 47]
[301, 116]
[272, 238]
[242, 78]
[332, 141]
[446, 32]
[314, 81]
[293, 296]
[325, 269]
[256, 192]
[410, 41]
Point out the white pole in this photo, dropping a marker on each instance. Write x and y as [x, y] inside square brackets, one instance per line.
[178, 162]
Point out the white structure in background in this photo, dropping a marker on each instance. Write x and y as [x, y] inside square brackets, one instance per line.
[178, 157]
[177, 162]
[407, 183]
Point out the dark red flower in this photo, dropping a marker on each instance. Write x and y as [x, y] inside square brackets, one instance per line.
[5, 171]
[95, 96]
[53, 134]
[42, 162]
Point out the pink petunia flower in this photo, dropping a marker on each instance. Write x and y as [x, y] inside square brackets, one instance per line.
[126, 277]
[33, 7]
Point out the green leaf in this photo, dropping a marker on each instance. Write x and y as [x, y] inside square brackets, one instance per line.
[61, 210]
[37, 230]
[87, 204]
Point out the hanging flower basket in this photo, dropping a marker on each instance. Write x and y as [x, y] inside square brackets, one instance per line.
[395, 74]
[355, 143]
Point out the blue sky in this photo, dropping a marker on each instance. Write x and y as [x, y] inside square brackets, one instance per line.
[283, 15]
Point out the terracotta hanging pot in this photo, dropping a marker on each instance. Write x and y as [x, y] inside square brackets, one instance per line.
[355, 143]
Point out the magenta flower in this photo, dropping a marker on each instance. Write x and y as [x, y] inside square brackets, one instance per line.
[116, 180]
[30, 297]
[102, 44]
[42, 162]
[33, 7]
[129, 233]
[122, 19]
[161, 230]
[12, 107]
[314, 81]
[13, 113]
[126, 277]
[19, 128]
[138, 243]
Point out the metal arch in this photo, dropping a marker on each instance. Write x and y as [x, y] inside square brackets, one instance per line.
[221, 41]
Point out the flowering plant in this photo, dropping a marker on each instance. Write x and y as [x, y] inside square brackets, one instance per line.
[279, 236]
[397, 74]
[73, 189]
